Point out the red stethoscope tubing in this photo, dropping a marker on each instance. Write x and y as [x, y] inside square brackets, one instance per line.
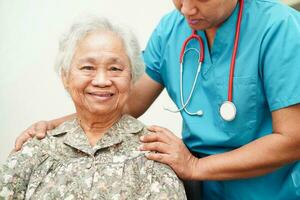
[235, 48]
[201, 46]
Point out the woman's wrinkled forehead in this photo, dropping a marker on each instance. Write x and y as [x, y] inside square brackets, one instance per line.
[101, 46]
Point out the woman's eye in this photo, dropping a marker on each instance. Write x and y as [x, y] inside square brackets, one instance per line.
[87, 68]
[114, 68]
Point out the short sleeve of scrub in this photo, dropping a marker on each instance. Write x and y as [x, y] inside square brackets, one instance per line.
[152, 55]
[281, 62]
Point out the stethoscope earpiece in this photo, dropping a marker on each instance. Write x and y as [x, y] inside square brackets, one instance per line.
[199, 112]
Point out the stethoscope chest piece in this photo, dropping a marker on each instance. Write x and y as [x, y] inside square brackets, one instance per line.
[228, 111]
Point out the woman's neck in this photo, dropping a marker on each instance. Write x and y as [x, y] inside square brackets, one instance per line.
[95, 126]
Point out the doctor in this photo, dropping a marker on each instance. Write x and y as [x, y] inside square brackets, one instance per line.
[238, 94]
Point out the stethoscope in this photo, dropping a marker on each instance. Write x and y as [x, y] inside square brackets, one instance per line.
[227, 109]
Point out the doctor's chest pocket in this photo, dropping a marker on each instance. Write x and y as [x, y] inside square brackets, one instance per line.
[245, 100]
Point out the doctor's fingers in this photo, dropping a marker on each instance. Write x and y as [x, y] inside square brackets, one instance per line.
[26, 135]
[155, 137]
[40, 129]
[155, 147]
[163, 131]
[159, 157]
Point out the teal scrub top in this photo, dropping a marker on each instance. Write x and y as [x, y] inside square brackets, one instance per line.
[266, 78]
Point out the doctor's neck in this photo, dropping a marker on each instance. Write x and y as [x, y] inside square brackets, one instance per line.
[210, 35]
[221, 18]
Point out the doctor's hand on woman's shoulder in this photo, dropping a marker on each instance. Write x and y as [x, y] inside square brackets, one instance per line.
[170, 150]
[39, 130]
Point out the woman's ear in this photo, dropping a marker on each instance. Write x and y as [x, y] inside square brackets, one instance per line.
[131, 85]
[65, 79]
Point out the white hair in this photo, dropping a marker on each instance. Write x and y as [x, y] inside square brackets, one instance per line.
[69, 42]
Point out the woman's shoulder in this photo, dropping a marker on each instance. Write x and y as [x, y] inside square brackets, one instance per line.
[130, 124]
[35, 151]
[57, 136]
[63, 128]
[130, 130]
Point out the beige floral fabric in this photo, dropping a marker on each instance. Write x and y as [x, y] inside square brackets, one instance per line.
[64, 166]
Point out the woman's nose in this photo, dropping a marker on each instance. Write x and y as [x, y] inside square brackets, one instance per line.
[101, 79]
[188, 8]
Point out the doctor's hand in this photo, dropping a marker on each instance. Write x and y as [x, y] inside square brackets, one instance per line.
[169, 150]
[38, 130]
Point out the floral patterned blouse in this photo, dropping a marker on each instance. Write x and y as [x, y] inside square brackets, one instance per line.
[64, 165]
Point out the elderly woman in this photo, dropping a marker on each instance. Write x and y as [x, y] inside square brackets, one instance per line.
[94, 156]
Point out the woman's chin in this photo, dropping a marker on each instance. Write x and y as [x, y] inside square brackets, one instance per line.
[102, 111]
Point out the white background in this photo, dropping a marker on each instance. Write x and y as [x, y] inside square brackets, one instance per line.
[29, 32]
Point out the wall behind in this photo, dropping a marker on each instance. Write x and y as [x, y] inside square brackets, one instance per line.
[30, 89]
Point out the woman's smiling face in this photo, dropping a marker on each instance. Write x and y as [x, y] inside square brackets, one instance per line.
[99, 78]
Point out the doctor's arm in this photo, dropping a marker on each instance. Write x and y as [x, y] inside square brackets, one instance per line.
[143, 94]
[259, 157]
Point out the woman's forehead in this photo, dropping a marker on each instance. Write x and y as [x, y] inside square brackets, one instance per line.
[104, 58]
[101, 46]
[103, 38]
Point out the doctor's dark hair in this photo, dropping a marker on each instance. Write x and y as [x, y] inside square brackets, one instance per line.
[69, 41]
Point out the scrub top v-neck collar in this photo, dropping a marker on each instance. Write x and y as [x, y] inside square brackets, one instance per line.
[223, 41]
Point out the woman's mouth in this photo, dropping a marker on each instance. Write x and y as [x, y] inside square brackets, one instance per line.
[102, 96]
